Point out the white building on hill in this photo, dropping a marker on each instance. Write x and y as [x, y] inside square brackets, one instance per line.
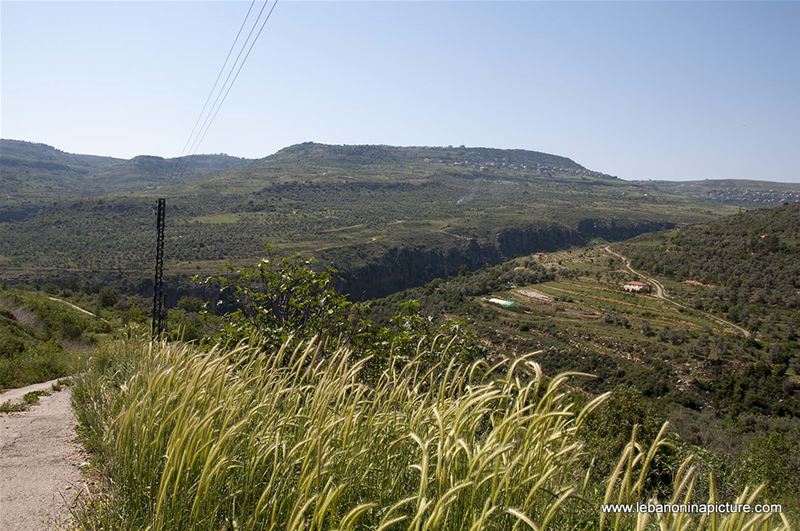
[634, 286]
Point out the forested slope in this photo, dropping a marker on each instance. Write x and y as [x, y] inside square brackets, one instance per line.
[750, 263]
[40, 337]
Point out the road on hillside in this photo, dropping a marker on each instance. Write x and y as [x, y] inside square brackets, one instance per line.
[76, 307]
[661, 293]
[25, 316]
[39, 461]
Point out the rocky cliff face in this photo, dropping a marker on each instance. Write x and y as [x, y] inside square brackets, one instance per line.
[407, 267]
[618, 229]
[365, 274]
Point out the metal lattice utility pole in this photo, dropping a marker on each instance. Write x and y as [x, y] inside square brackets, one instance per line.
[158, 281]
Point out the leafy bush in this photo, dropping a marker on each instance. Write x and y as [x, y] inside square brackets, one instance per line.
[289, 300]
[26, 358]
[280, 299]
[107, 297]
[39, 362]
[774, 459]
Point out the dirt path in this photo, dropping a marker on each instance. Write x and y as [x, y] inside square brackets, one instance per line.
[26, 317]
[39, 462]
[454, 235]
[661, 293]
[76, 307]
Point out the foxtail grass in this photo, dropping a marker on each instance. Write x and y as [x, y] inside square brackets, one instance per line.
[192, 437]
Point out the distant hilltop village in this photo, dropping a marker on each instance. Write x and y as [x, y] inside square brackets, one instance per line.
[504, 163]
[753, 197]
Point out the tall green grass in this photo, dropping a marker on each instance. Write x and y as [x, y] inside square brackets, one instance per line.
[192, 438]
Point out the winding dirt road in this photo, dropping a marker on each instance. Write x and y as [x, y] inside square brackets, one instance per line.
[39, 462]
[661, 293]
[76, 307]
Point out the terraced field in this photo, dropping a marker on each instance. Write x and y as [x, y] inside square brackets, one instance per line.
[583, 298]
[582, 320]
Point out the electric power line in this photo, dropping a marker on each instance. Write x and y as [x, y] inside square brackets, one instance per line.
[202, 136]
[219, 75]
[194, 141]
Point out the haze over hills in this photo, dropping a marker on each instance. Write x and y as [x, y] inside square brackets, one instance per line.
[33, 171]
[740, 192]
[352, 206]
[30, 172]
[353, 155]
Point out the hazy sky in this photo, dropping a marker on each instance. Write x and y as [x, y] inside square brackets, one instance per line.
[640, 90]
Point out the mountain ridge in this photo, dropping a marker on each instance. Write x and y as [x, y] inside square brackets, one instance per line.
[36, 170]
[31, 171]
[316, 148]
[372, 153]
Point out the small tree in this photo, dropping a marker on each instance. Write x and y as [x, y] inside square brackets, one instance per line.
[107, 297]
[281, 298]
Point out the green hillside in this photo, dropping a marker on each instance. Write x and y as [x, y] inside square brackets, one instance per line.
[728, 390]
[42, 337]
[441, 399]
[741, 271]
[365, 209]
[746, 267]
[33, 173]
[739, 192]
[356, 155]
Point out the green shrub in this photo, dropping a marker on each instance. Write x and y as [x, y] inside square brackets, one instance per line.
[774, 459]
[28, 400]
[38, 363]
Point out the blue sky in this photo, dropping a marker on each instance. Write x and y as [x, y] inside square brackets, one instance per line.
[638, 90]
